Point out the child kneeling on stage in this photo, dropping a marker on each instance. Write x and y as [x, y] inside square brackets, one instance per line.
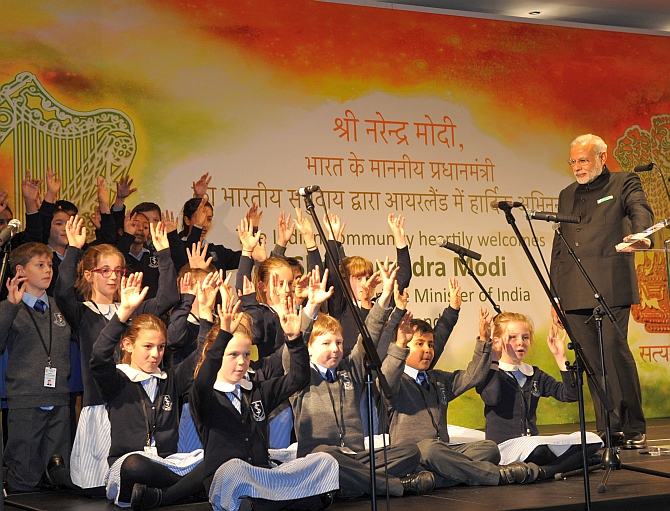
[511, 394]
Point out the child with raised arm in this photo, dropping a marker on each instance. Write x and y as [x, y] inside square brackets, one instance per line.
[512, 392]
[37, 339]
[141, 403]
[97, 274]
[327, 412]
[418, 410]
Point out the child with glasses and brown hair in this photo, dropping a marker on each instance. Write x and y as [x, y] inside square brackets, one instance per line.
[96, 274]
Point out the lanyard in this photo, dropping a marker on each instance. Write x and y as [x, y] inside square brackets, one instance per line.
[44, 344]
[432, 417]
[332, 402]
[151, 428]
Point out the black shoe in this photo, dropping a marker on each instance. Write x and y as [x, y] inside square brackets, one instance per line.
[327, 499]
[246, 504]
[618, 438]
[54, 464]
[635, 441]
[420, 483]
[144, 497]
[519, 473]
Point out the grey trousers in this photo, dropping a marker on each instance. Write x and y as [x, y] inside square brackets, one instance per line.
[33, 436]
[401, 460]
[474, 463]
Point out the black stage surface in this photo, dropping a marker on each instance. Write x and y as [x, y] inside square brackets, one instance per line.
[626, 490]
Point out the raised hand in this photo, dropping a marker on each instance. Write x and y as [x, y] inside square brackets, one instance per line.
[201, 185]
[290, 319]
[197, 256]
[285, 229]
[388, 272]
[124, 187]
[31, 189]
[4, 200]
[248, 239]
[226, 290]
[248, 287]
[159, 236]
[405, 330]
[455, 299]
[103, 195]
[54, 182]
[301, 286]
[333, 226]
[397, 225]
[16, 288]
[206, 292]
[556, 343]
[368, 288]
[199, 216]
[400, 299]
[316, 292]
[169, 220]
[132, 294]
[96, 217]
[229, 315]
[130, 223]
[485, 321]
[75, 231]
[304, 226]
[254, 215]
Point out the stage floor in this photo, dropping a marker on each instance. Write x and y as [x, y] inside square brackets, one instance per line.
[625, 490]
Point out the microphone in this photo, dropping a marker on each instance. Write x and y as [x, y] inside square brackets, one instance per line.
[549, 216]
[461, 250]
[644, 168]
[505, 205]
[8, 232]
[308, 190]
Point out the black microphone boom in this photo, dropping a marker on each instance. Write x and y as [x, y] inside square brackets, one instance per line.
[644, 168]
[461, 250]
[308, 190]
[550, 216]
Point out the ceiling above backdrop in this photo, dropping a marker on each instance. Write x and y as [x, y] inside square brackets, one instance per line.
[624, 15]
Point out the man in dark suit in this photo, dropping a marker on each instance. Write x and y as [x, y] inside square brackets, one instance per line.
[612, 206]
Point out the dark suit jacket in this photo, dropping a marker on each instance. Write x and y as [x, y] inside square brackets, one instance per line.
[611, 207]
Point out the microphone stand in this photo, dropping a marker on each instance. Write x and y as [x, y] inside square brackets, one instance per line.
[372, 360]
[469, 271]
[580, 364]
[3, 270]
[610, 458]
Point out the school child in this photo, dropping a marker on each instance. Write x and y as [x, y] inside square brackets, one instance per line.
[37, 339]
[96, 275]
[418, 409]
[512, 392]
[232, 417]
[327, 412]
[141, 401]
[273, 282]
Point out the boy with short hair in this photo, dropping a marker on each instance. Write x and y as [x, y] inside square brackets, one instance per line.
[418, 408]
[327, 415]
[37, 340]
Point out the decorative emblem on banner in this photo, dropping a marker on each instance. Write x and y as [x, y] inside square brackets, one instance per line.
[79, 146]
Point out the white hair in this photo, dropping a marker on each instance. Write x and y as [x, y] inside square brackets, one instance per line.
[598, 143]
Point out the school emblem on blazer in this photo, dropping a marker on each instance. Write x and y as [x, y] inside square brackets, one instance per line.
[153, 261]
[167, 403]
[442, 393]
[257, 411]
[59, 320]
[346, 380]
[534, 390]
[213, 255]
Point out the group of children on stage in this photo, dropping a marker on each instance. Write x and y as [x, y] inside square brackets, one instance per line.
[254, 395]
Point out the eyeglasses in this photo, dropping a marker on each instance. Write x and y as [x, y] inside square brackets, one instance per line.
[107, 272]
[581, 161]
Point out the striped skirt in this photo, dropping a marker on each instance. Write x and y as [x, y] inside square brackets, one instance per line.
[180, 463]
[518, 449]
[88, 461]
[314, 474]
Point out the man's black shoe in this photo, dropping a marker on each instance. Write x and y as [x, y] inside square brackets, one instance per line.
[519, 473]
[327, 499]
[418, 484]
[618, 438]
[635, 441]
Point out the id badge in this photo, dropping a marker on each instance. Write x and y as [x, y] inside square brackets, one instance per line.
[151, 449]
[346, 450]
[50, 377]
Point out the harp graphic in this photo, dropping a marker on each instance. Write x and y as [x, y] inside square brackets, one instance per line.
[79, 146]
